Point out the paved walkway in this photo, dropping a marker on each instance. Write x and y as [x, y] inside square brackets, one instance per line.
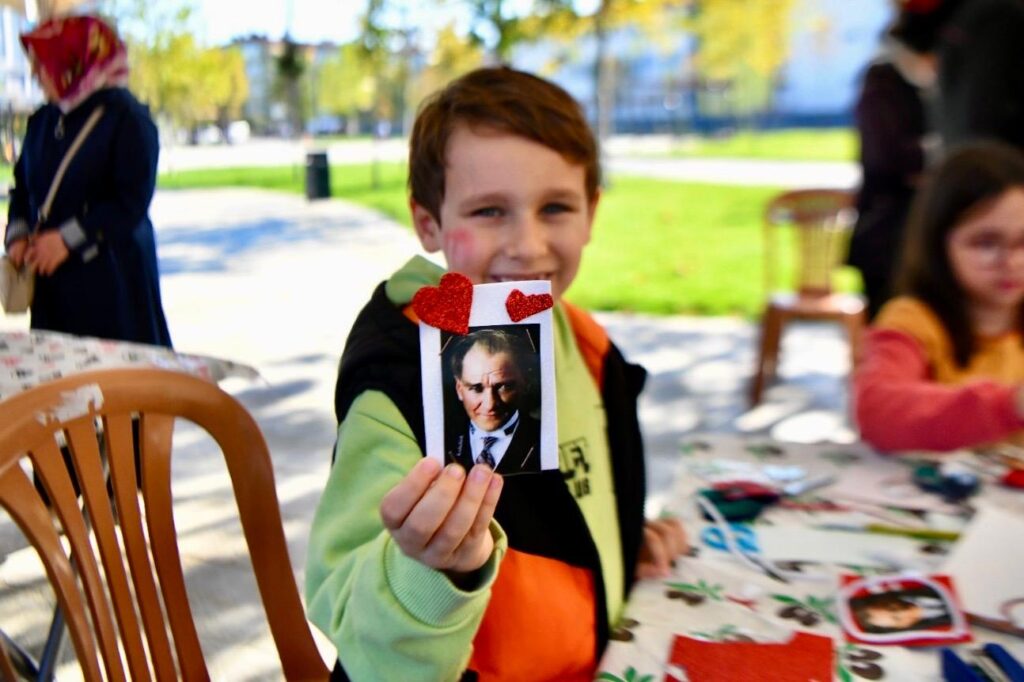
[643, 156]
[274, 281]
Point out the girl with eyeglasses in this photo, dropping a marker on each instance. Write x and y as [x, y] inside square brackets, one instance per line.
[943, 364]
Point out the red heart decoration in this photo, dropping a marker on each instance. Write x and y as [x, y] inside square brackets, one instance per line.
[446, 306]
[520, 306]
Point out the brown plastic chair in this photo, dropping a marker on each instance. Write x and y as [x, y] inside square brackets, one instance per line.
[116, 585]
[821, 221]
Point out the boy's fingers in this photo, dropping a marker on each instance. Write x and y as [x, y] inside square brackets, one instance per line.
[401, 499]
[477, 545]
[482, 522]
[673, 535]
[431, 510]
[656, 553]
[459, 523]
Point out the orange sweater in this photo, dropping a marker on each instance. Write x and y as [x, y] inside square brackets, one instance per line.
[909, 394]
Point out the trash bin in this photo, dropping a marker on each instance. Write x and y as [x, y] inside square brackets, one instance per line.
[318, 176]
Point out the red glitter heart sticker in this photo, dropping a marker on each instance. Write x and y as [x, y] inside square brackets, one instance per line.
[446, 306]
[520, 306]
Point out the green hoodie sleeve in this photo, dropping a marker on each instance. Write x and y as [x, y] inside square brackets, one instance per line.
[389, 616]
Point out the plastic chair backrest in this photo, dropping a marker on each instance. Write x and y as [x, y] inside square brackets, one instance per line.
[822, 220]
[116, 580]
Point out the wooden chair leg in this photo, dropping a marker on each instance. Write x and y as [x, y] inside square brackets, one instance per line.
[768, 355]
[855, 325]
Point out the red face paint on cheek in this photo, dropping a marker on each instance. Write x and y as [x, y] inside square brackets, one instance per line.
[459, 247]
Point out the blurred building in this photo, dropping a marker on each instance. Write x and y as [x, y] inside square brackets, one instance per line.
[266, 109]
[21, 94]
[656, 91]
[20, 90]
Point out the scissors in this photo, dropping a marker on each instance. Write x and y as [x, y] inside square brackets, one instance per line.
[713, 537]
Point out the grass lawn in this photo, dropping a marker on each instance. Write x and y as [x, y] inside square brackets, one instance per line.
[352, 182]
[796, 144]
[658, 247]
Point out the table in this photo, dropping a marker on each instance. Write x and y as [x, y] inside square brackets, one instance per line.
[28, 359]
[713, 597]
[31, 358]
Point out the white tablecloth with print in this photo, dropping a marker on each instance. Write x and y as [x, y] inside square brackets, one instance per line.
[31, 358]
[714, 597]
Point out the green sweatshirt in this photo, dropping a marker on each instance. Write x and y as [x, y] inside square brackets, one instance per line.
[390, 616]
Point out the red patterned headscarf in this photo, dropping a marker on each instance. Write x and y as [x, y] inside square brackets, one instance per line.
[75, 56]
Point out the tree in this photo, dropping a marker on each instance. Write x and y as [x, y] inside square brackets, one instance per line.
[453, 56]
[345, 83]
[291, 65]
[608, 16]
[741, 45]
[500, 25]
[184, 83]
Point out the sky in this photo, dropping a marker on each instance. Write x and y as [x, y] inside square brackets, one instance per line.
[311, 20]
[319, 20]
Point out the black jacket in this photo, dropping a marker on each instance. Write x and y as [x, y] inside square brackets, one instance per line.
[109, 286]
[537, 512]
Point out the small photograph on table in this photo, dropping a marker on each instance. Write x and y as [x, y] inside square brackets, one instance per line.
[901, 610]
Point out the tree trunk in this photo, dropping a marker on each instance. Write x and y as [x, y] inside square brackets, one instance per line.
[604, 77]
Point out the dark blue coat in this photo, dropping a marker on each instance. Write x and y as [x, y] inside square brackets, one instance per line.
[109, 286]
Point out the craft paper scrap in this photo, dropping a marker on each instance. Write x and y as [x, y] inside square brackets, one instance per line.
[987, 564]
[804, 658]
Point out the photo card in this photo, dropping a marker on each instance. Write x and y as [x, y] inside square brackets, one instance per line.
[489, 379]
[907, 609]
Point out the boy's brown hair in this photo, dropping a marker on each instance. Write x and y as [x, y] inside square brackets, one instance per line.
[505, 100]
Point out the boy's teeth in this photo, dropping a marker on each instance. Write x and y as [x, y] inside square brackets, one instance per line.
[519, 278]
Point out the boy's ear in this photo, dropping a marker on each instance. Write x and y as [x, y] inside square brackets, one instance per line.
[591, 212]
[427, 227]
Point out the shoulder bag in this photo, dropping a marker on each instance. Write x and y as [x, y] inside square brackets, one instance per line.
[18, 284]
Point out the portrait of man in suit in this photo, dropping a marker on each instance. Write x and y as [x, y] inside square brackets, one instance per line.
[491, 397]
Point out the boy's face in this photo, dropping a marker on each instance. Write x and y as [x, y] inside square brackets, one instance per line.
[513, 209]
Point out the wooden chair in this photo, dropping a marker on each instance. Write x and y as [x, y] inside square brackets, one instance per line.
[821, 220]
[121, 589]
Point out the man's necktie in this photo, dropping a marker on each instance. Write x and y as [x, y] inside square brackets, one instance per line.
[485, 456]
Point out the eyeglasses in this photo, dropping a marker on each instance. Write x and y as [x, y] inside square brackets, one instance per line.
[990, 251]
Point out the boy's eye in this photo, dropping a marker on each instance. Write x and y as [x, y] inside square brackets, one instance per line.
[555, 208]
[487, 212]
[985, 242]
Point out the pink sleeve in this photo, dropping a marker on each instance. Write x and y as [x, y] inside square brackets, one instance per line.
[899, 407]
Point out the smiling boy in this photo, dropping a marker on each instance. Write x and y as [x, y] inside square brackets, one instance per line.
[404, 556]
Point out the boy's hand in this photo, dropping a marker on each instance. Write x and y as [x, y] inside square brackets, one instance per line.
[441, 517]
[664, 542]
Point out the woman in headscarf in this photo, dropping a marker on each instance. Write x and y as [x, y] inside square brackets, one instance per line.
[94, 251]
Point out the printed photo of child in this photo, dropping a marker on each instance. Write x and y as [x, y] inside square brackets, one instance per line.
[915, 608]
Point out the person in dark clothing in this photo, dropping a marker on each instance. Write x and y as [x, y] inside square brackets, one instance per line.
[981, 73]
[94, 253]
[892, 124]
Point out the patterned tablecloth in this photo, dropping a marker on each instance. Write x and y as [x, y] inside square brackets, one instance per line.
[712, 596]
[31, 358]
